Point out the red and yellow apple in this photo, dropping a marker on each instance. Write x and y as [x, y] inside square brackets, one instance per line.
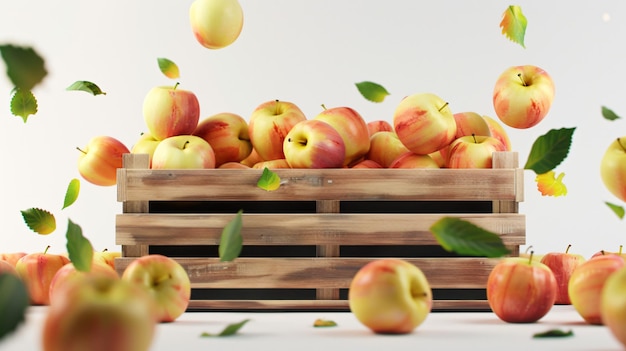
[145, 145]
[69, 271]
[351, 127]
[413, 160]
[379, 125]
[497, 131]
[385, 147]
[562, 265]
[99, 160]
[268, 126]
[12, 257]
[107, 257]
[470, 123]
[183, 152]
[272, 164]
[367, 164]
[314, 144]
[169, 111]
[473, 151]
[613, 304]
[233, 165]
[613, 168]
[227, 133]
[37, 271]
[216, 23]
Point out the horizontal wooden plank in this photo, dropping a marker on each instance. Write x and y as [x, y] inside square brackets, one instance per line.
[321, 184]
[321, 273]
[305, 229]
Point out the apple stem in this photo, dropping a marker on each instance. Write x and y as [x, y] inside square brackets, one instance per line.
[620, 144]
[568, 246]
[81, 150]
[620, 249]
[46, 250]
[185, 144]
[301, 142]
[602, 252]
[530, 258]
[276, 113]
[474, 136]
[444, 106]
[176, 85]
[522, 79]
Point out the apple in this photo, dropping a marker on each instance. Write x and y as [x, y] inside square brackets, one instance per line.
[439, 157]
[351, 127]
[424, 123]
[586, 283]
[169, 111]
[367, 164]
[379, 126]
[521, 290]
[413, 160]
[390, 296]
[69, 271]
[12, 257]
[562, 265]
[522, 96]
[216, 23]
[99, 160]
[385, 146]
[99, 313]
[145, 145]
[183, 152]
[473, 151]
[272, 164]
[470, 123]
[233, 165]
[252, 159]
[604, 252]
[107, 257]
[6, 267]
[497, 131]
[37, 271]
[613, 304]
[314, 144]
[227, 133]
[166, 281]
[613, 168]
[268, 126]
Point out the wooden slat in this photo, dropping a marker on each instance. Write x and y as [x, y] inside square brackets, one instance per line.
[324, 249]
[311, 228]
[314, 273]
[134, 162]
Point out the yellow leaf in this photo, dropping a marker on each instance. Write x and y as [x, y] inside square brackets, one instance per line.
[514, 24]
[548, 185]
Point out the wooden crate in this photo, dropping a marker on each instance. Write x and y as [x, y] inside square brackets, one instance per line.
[304, 242]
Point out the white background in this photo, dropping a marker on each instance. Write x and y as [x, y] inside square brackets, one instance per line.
[309, 53]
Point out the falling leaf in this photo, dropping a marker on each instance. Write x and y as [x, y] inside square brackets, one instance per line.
[71, 194]
[231, 240]
[549, 150]
[83, 85]
[38, 220]
[465, 238]
[168, 68]
[14, 302]
[269, 180]
[618, 210]
[320, 323]
[554, 333]
[25, 67]
[23, 103]
[513, 24]
[230, 329]
[548, 185]
[607, 113]
[372, 91]
[79, 248]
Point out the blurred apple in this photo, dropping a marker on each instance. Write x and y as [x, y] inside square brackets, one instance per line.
[227, 133]
[497, 131]
[99, 160]
[613, 168]
[351, 127]
[367, 164]
[99, 313]
[473, 151]
[390, 296]
[521, 290]
[69, 271]
[413, 160]
[107, 257]
[272, 164]
[183, 152]
[562, 265]
[169, 111]
[166, 281]
[6, 267]
[216, 23]
[37, 271]
[523, 96]
[424, 123]
[613, 304]
[470, 123]
[314, 144]
[12, 257]
[269, 124]
[379, 126]
[145, 145]
[385, 147]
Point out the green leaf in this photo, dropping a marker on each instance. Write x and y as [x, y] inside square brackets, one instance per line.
[372, 91]
[38, 220]
[464, 238]
[14, 302]
[168, 68]
[322, 323]
[231, 240]
[269, 180]
[83, 85]
[609, 114]
[230, 329]
[79, 249]
[23, 103]
[514, 24]
[549, 150]
[618, 210]
[25, 68]
[71, 194]
[554, 333]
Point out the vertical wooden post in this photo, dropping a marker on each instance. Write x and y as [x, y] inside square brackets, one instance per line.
[327, 206]
[134, 161]
[509, 160]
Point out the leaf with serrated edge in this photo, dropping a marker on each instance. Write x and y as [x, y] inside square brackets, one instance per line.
[14, 302]
[554, 333]
[25, 68]
[79, 248]
[465, 238]
[83, 85]
[268, 180]
[23, 103]
[514, 24]
[609, 114]
[618, 210]
[231, 240]
[38, 220]
[549, 150]
[230, 329]
[373, 92]
[71, 194]
[168, 68]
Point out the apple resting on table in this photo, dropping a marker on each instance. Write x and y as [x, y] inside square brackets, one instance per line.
[37, 271]
[562, 265]
[613, 304]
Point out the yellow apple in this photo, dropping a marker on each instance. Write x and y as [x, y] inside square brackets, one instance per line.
[216, 23]
[613, 168]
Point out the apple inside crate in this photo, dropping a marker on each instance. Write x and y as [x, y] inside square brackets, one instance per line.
[304, 242]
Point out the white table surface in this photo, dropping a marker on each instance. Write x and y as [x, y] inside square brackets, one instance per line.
[295, 331]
